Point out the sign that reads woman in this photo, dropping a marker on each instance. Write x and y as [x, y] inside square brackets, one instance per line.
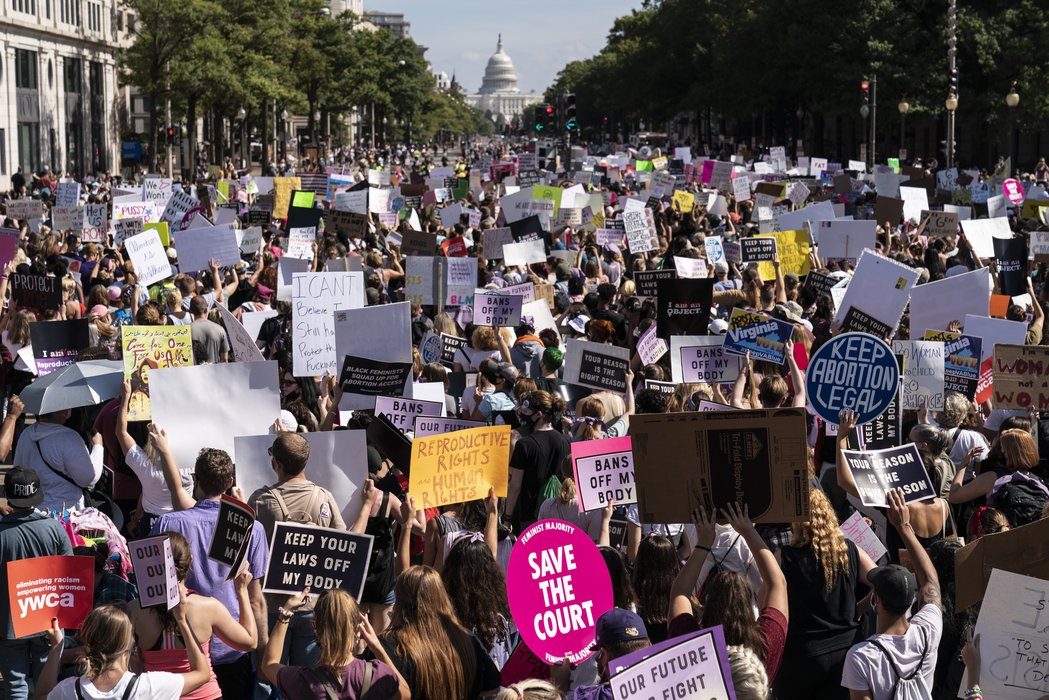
[558, 585]
[855, 371]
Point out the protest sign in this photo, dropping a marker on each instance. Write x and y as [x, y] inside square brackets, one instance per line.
[650, 347]
[941, 223]
[196, 246]
[714, 249]
[846, 239]
[683, 307]
[524, 253]
[522, 665]
[498, 310]
[888, 209]
[793, 250]
[757, 249]
[460, 466]
[1010, 254]
[124, 229]
[287, 268]
[360, 375]
[961, 361]
[354, 226]
[992, 331]
[155, 572]
[315, 296]
[936, 305]
[436, 425]
[762, 337]
[691, 666]
[402, 412]
[37, 292]
[493, 241]
[980, 233]
[95, 223]
[377, 333]
[702, 359]
[1020, 550]
[876, 472]
[596, 365]
[557, 586]
[8, 245]
[460, 281]
[858, 321]
[855, 371]
[282, 190]
[421, 279]
[1021, 377]
[604, 473]
[881, 287]
[147, 253]
[26, 209]
[319, 557]
[179, 204]
[996, 206]
[149, 212]
[856, 529]
[709, 459]
[229, 541]
[301, 241]
[922, 384]
[241, 342]
[648, 281]
[42, 588]
[640, 229]
[915, 201]
[690, 268]
[56, 343]
[1039, 246]
[146, 348]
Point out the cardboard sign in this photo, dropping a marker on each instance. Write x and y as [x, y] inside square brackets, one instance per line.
[1011, 257]
[695, 666]
[757, 458]
[241, 342]
[992, 331]
[402, 412]
[878, 471]
[683, 307]
[436, 425]
[881, 287]
[604, 473]
[922, 374]
[315, 297]
[690, 268]
[696, 359]
[42, 588]
[557, 586]
[980, 233]
[856, 529]
[375, 332]
[497, 310]
[941, 223]
[319, 557]
[1020, 550]
[373, 377]
[855, 371]
[155, 572]
[229, 542]
[1021, 377]
[524, 253]
[764, 338]
[596, 365]
[147, 348]
[756, 249]
[56, 343]
[460, 466]
[888, 210]
[38, 292]
[147, 253]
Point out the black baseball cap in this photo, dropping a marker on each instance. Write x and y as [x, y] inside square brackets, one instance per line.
[895, 585]
[22, 488]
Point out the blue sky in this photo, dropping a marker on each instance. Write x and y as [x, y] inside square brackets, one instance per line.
[540, 36]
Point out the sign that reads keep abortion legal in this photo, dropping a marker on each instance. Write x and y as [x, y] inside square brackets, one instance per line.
[460, 466]
[403, 412]
[763, 337]
[878, 471]
[373, 377]
[854, 371]
[318, 557]
[42, 588]
[155, 572]
[604, 472]
[693, 666]
[557, 586]
[497, 309]
[229, 543]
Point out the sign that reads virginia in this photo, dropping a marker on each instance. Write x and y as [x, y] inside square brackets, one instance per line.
[855, 371]
[318, 557]
[763, 337]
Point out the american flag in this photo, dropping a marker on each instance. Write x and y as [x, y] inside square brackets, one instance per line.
[314, 182]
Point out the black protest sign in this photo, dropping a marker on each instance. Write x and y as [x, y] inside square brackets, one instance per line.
[617, 533]
[819, 283]
[257, 217]
[758, 249]
[1010, 254]
[419, 243]
[598, 370]
[303, 217]
[229, 543]
[665, 388]
[647, 282]
[884, 431]
[318, 557]
[529, 228]
[450, 345]
[38, 292]
[347, 223]
[683, 306]
[877, 471]
[57, 343]
[860, 322]
[373, 377]
[384, 436]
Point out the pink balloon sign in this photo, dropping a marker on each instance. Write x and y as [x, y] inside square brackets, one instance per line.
[557, 585]
[1014, 191]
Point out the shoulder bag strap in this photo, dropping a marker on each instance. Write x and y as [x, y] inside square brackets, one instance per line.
[130, 690]
[367, 685]
[275, 492]
[322, 678]
[311, 506]
[79, 692]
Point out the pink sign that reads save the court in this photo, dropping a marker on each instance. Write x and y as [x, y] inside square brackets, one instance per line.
[558, 585]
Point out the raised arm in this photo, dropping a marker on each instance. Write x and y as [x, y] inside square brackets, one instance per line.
[781, 285]
[928, 582]
[180, 500]
[797, 377]
[404, 544]
[774, 583]
[368, 495]
[216, 280]
[123, 437]
[491, 524]
[846, 424]
[269, 664]
[241, 634]
[980, 486]
[7, 430]
[688, 576]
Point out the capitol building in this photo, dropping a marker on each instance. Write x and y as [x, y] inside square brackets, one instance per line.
[499, 94]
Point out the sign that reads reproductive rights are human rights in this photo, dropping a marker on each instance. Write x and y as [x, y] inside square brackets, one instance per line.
[855, 371]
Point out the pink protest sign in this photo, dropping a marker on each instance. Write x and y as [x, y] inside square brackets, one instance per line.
[708, 172]
[557, 585]
[522, 665]
[1014, 191]
[604, 472]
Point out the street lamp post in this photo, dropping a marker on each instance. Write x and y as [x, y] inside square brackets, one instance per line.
[242, 117]
[1012, 100]
[951, 103]
[284, 134]
[315, 136]
[904, 107]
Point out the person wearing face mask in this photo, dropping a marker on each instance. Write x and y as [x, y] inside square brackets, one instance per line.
[536, 456]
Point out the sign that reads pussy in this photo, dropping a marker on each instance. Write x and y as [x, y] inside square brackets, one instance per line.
[318, 557]
[878, 471]
[854, 371]
[497, 309]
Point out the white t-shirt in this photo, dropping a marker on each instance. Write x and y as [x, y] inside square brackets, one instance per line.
[155, 685]
[155, 496]
[868, 669]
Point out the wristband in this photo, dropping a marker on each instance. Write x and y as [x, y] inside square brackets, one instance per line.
[973, 693]
[284, 615]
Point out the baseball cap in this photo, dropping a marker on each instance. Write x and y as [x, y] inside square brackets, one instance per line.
[894, 584]
[718, 326]
[113, 292]
[508, 371]
[22, 488]
[619, 625]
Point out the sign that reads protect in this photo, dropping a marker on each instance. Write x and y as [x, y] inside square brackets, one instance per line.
[763, 337]
[557, 586]
[604, 472]
[318, 557]
[878, 471]
[460, 466]
[497, 310]
[855, 371]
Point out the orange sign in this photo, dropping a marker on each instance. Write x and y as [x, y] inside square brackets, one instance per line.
[42, 588]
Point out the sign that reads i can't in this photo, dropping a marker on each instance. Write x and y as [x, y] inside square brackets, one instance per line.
[855, 371]
[318, 557]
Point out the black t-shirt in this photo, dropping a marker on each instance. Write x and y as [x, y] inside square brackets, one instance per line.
[618, 322]
[821, 620]
[538, 454]
[485, 677]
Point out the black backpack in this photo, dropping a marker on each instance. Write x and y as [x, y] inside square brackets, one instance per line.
[379, 582]
[1020, 496]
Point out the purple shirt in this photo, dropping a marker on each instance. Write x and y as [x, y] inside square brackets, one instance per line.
[208, 577]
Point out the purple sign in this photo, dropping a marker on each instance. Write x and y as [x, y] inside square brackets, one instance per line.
[692, 666]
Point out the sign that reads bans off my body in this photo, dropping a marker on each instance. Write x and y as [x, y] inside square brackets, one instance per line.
[403, 412]
[318, 557]
[878, 471]
[604, 472]
[497, 310]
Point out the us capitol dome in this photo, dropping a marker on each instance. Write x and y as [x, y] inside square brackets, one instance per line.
[499, 94]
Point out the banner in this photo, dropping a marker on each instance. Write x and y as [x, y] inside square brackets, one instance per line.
[683, 307]
[764, 338]
[373, 377]
[596, 365]
[403, 412]
[147, 348]
[604, 473]
[460, 466]
[319, 557]
[498, 310]
[557, 585]
[855, 371]
[229, 542]
[693, 666]
[56, 343]
[155, 572]
[878, 471]
[1021, 377]
[709, 459]
[42, 588]
[922, 374]
[696, 359]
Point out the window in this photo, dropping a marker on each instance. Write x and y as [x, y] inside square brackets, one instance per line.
[69, 12]
[120, 21]
[71, 75]
[29, 146]
[97, 128]
[25, 69]
[3, 151]
[26, 7]
[94, 17]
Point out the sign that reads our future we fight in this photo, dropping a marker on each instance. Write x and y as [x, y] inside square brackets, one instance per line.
[854, 371]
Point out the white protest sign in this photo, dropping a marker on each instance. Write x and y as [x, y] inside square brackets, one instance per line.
[1039, 245]
[701, 358]
[741, 189]
[492, 309]
[980, 232]
[650, 347]
[95, 223]
[800, 219]
[935, 305]
[180, 203]
[661, 671]
[67, 194]
[922, 374]
[156, 189]
[301, 241]
[690, 268]
[964, 212]
[880, 288]
[460, 280]
[240, 340]
[287, 268]
[155, 572]
[997, 206]
[524, 253]
[846, 239]
[124, 229]
[197, 246]
[253, 320]
[856, 529]
[315, 297]
[715, 248]
[381, 333]
[355, 201]
[604, 472]
[248, 239]
[915, 201]
[419, 280]
[149, 212]
[148, 255]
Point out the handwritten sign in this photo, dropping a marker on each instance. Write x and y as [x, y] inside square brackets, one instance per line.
[604, 472]
[155, 572]
[922, 373]
[436, 425]
[1021, 377]
[147, 348]
[315, 297]
[460, 466]
[33, 291]
[147, 253]
[856, 529]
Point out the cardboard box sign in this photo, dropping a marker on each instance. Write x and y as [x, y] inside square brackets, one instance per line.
[683, 460]
[1022, 550]
[1021, 377]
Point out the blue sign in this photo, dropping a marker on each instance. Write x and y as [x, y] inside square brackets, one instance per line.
[763, 337]
[855, 371]
[131, 150]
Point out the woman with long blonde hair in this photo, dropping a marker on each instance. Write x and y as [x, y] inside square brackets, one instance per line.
[439, 659]
[822, 569]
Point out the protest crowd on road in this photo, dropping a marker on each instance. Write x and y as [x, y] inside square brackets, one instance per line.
[527, 424]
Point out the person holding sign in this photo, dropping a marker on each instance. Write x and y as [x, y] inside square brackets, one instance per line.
[537, 456]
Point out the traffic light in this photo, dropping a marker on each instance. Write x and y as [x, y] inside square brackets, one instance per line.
[170, 134]
[543, 113]
[865, 91]
[570, 118]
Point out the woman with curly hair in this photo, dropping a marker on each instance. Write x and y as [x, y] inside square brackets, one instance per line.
[822, 569]
[477, 588]
[655, 569]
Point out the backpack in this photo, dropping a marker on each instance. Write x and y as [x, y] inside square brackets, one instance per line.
[379, 582]
[1020, 496]
[913, 686]
[129, 691]
[297, 516]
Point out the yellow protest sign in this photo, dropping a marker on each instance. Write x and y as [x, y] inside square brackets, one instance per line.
[223, 189]
[460, 466]
[684, 201]
[147, 348]
[1034, 208]
[282, 189]
[793, 250]
[550, 193]
[659, 163]
[162, 230]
